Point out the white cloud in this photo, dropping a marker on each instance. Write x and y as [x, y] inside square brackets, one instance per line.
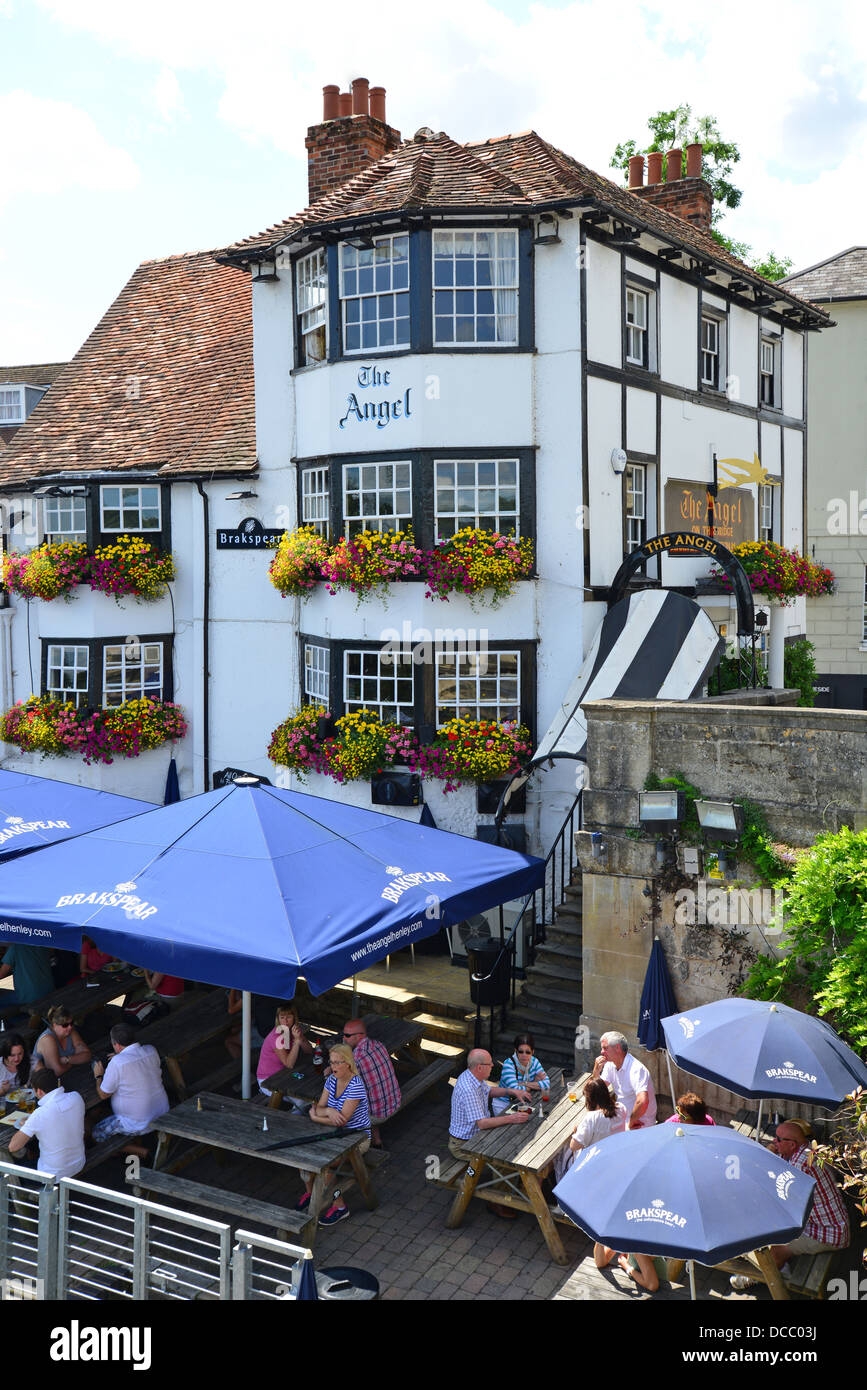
[58, 147]
[167, 96]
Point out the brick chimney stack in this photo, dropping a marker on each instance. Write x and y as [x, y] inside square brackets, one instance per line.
[690, 197]
[352, 134]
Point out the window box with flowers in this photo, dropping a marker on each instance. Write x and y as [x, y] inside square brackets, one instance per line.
[777, 573]
[57, 729]
[299, 562]
[475, 561]
[128, 568]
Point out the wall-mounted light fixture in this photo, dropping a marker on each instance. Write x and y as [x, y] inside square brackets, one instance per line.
[720, 820]
[265, 270]
[360, 243]
[618, 461]
[599, 847]
[547, 230]
[239, 496]
[662, 810]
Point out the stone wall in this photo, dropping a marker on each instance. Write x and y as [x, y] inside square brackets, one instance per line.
[806, 768]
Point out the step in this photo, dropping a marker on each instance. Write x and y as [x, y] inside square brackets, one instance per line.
[550, 996]
[556, 970]
[574, 891]
[539, 1020]
[562, 932]
[458, 1033]
[568, 912]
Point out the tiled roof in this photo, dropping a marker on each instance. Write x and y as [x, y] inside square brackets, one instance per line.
[163, 383]
[843, 276]
[512, 171]
[40, 374]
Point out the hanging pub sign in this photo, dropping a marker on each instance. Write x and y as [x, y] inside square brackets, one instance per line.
[250, 534]
[688, 508]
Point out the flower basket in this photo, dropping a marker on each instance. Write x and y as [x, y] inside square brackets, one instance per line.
[131, 567]
[367, 563]
[471, 750]
[48, 572]
[473, 560]
[299, 562]
[52, 728]
[777, 573]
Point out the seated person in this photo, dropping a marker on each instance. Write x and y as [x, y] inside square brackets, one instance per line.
[283, 1046]
[376, 1071]
[60, 1046]
[343, 1104]
[521, 1069]
[134, 1084]
[58, 1124]
[690, 1109]
[827, 1227]
[30, 968]
[630, 1079]
[646, 1270]
[14, 1062]
[169, 988]
[605, 1115]
[92, 958]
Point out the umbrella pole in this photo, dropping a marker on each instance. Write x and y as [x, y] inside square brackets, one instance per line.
[670, 1078]
[355, 996]
[246, 1029]
[759, 1120]
[692, 1296]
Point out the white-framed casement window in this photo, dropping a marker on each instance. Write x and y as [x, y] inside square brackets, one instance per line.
[130, 508]
[131, 671]
[766, 512]
[478, 685]
[637, 319]
[475, 276]
[377, 497]
[11, 405]
[636, 505]
[64, 518]
[311, 306]
[380, 683]
[712, 352]
[481, 493]
[374, 294]
[768, 372]
[66, 673]
[317, 672]
[316, 499]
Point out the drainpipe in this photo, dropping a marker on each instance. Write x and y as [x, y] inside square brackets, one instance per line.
[206, 617]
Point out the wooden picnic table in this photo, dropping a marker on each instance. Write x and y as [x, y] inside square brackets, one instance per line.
[225, 1123]
[397, 1035]
[79, 996]
[518, 1157]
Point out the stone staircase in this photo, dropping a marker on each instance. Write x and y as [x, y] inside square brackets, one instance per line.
[549, 1002]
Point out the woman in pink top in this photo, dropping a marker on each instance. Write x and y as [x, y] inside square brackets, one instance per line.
[690, 1110]
[283, 1045]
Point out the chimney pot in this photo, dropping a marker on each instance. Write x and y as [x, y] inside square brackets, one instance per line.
[693, 161]
[330, 105]
[674, 165]
[654, 167]
[636, 171]
[344, 104]
[377, 103]
[360, 97]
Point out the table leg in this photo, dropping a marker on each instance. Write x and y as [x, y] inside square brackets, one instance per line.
[475, 1168]
[540, 1207]
[173, 1067]
[317, 1200]
[162, 1149]
[359, 1167]
[773, 1278]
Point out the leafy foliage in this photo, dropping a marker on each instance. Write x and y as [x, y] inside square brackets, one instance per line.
[826, 936]
[846, 1149]
[799, 671]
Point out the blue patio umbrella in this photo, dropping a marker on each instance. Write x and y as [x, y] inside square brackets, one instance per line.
[251, 886]
[689, 1191]
[173, 791]
[758, 1049]
[38, 811]
[306, 1291]
[657, 999]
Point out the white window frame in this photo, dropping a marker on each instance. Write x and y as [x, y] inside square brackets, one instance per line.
[637, 326]
[317, 674]
[316, 499]
[130, 499]
[65, 508]
[504, 297]
[712, 368]
[383, 679]
[768, 376]
[371, 481]
[864, 638]
[506, 522]
[377, 296]
[635, 505]
[130, 658]
[311, 306]
[57, 661]
[481, 670]
[12, 388]
[766, 512]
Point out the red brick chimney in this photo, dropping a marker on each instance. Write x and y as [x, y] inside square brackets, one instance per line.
[690, 198]
[353, 133]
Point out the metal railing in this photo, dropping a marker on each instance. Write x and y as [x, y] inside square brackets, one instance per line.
[67, 1239]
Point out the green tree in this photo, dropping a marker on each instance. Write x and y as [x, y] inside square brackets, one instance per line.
[675, 130]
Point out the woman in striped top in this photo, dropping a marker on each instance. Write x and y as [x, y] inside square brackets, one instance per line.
[523, 1070]
[343, 1103]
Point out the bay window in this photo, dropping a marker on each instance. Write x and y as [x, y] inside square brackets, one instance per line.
[374, 294]
[475, 280]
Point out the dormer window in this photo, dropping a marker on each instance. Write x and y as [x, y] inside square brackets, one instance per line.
[475, 278]
[11, 405]
[311, 297]
[374, 293]
[125, 509]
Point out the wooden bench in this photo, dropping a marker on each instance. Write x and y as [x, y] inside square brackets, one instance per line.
[808, 1274]
[107, 1149]
[288, 1224]
[446, 1172]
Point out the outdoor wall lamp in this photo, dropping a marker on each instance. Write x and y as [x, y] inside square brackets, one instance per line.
[237, 496]
[618, 461]
[761, 619]
[720, 820]
[663, 810]
[265, 270]
[360, 243]
[547, 230]
[599, 847]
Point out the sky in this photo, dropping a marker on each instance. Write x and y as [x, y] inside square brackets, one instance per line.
[132, 132]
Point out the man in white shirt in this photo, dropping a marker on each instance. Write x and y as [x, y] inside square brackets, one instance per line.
[629, 1078]
[133, 1082]
[58, 1124]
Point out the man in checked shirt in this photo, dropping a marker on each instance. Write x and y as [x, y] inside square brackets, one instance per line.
[377, 1073]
